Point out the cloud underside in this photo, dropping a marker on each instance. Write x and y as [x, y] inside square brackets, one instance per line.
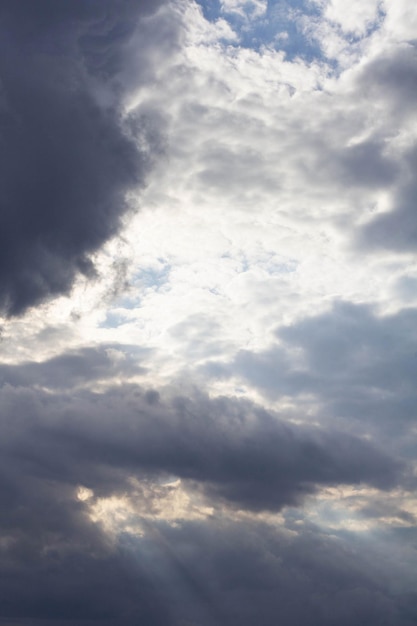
[68, 159]
[130, 444]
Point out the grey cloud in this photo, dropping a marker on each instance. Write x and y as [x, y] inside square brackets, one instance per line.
[228, 449]
[362, 366]
[206, 573]
[406, 287]
[350, 362]
[67, 158]
[353, 336]
[253, 573]
[78, 367]
[362, 167]
[393, 77]
[385, 90]
[58, 566]
[381, 508]
[244, 171]
[364, 164]
[396, 229]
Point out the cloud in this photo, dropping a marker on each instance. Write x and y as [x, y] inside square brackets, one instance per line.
[58, 563]
[391, 76]
[253, 572]
[270, 157]
[68, 157]
[349, 363]
[396, 229]
[75, 368]
[206, 573]
[358, 20]
[228, 449]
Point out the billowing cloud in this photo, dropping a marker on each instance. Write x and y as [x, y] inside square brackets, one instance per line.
[68, 158]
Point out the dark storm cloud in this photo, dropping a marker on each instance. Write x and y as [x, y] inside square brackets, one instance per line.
[228, 449]
[208, 573]
[253, 573]
[57, 565]
[67, 158]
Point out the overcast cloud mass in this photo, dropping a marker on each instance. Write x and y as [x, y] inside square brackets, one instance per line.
[208, 290]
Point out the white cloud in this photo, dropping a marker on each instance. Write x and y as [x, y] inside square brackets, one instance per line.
[401, 19]
[360, 16]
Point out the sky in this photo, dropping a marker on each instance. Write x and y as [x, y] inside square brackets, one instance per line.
[208, 301]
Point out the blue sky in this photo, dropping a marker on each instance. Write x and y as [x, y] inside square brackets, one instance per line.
[279, 27]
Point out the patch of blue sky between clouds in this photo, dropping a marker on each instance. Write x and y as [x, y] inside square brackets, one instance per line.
[271, 263]
[280, 26]
[324, 27]
[113, 320]
[153, 277]
[301, 29]
[147, 279]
